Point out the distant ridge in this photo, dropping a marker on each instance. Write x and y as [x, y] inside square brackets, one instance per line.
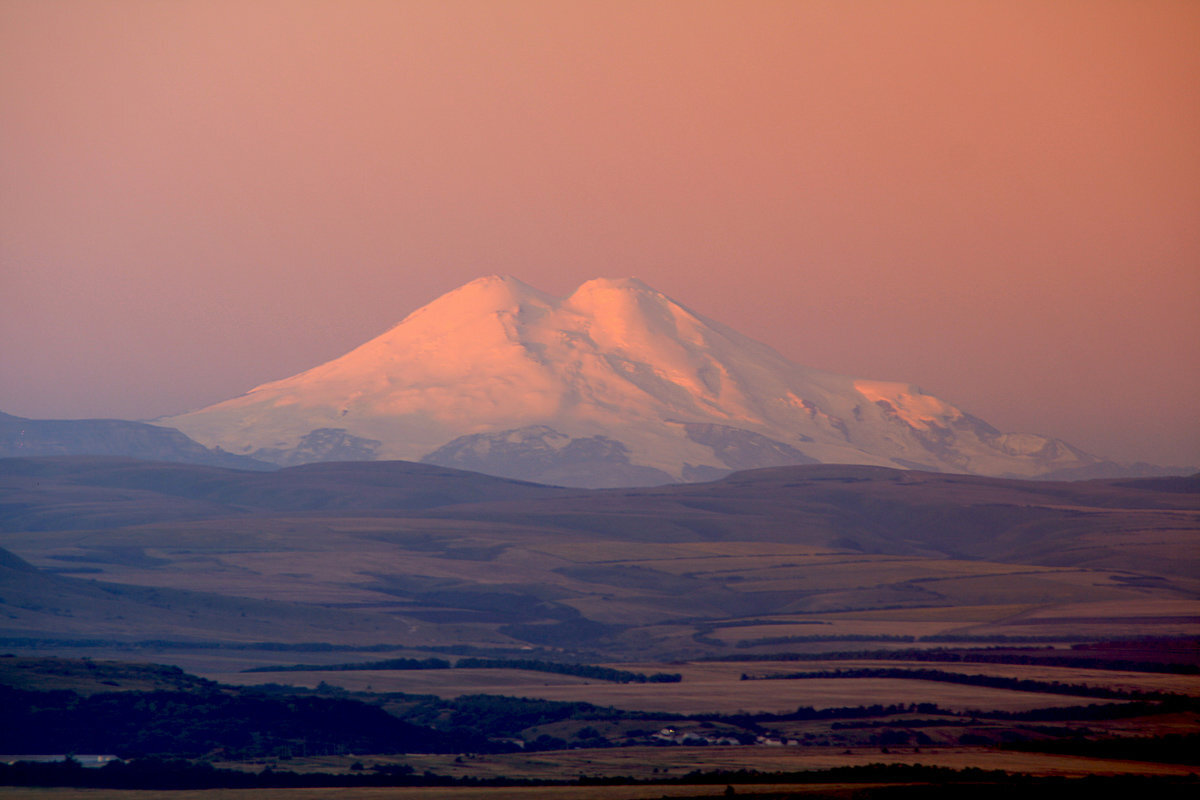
[614, 385]
[21, 437]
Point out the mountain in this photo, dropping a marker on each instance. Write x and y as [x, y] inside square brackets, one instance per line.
[614, 385]
[110, 437]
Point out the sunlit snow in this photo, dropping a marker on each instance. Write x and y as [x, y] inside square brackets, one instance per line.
[614, 359]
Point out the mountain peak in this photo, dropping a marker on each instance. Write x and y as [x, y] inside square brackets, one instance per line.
[626, 313]
[494, 282]
[490, 293]
[475, 303]
[615, 383]
[598, 293]
[614, 284]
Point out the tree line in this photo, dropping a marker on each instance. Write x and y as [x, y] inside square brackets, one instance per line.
[990, 681]
[533, 665]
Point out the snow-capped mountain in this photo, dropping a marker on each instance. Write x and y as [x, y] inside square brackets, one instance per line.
[616, 384]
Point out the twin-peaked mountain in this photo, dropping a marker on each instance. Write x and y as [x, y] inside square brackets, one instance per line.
[615, 385]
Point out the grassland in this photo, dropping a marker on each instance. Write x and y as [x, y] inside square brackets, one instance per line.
[355, 555]
[725, 695]
[217, 572]
[642, 762]
[378, 584]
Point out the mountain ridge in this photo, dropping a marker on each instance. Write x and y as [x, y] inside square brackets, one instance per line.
[20, 436]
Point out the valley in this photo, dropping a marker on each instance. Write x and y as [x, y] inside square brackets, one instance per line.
[801, 557]
[813, 617]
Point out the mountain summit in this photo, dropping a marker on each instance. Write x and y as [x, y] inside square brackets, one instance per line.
[614, 385]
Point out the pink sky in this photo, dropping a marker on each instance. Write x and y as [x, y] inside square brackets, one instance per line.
[998, 201]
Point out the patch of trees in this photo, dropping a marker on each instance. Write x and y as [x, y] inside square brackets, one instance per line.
[1173, 748]
[753, 722]
[533, 665]
[1097, 711]
[242, 724]
[1094, 712]
[1035, 656]
[390, 663]
[105, 669]
[1177, 655]
[990, 681]
[179, 774]
[858, 774]
[579, 670]
[499, 715]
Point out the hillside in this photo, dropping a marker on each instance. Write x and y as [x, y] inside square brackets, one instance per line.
[418, 556]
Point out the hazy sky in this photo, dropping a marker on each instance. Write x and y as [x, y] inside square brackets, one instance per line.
[997, 201]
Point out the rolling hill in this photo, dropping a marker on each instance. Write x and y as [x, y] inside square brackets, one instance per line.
[416, 556]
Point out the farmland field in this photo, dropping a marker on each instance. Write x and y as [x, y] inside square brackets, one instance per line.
[715, 696]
